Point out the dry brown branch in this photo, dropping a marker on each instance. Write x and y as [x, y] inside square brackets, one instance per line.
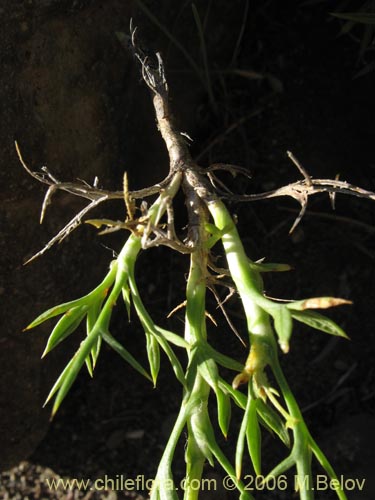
[200, 185]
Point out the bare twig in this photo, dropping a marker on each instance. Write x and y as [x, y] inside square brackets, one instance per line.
[197, 188]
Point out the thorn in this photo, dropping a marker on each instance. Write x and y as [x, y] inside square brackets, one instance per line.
[300, 216]
[332, 196]
[300, 168]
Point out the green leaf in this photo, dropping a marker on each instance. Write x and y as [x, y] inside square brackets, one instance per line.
[319, 322]
[100, 292]
[241, 437]
[125, 354]
[272, 421]
[126, 297]
[71, 374]
[283, 326]
[317, 303]
[58, 382]
[207, 368]
[173, 338]
[95, 351]
[269, 267]
[56, 311]
[237, 396]
[153, 353]
[65, 326]
[202, 431]
[222, 359]
[280, 468]
[356, 17]
[224, 410]
[253, 437]
[89, 366]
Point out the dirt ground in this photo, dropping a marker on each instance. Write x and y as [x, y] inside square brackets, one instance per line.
[282, 79]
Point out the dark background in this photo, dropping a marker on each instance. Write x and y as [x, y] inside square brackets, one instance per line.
[281, 79]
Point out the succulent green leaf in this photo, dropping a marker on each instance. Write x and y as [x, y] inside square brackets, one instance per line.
[319, 322]
[240, 447]
[100, 292]
[202, 431]
[222, 359]
[280, 468]
[153, 353]
[207, 368]
[283, 326]
[126, 297]
[269, 267]
[56, 311]
[173, 338]
[253, 437]
[224, 410]
[89, 366]
[237, 396]
[58, 382]
[176, 365]
[65, 326]
[125, 354]
[71, 374]
[356, 17]
[95, 351]
[92, 315]
[272, 421]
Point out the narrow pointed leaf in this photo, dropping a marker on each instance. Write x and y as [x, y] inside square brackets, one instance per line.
[237, 396]
[202, 431]
[70, 376]
[207, 368]
[89, 366]
[280, 468]
[126, 297]
[92, 315]
[223, 360]
[283, 326]
[241, 438]
[253, 437]
[99, 292]
[58, 382]
[272, 420]
[56, 311]
[173, 338]
[95, 351]
[65, 326]
[153, 353]
[224, 411]
[125, 354]
[356, 17]
[319, 322]
[176, 365]
[269, 267]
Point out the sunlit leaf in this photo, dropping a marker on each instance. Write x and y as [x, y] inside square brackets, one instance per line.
[283, 326]
[65, 326]
[240, 446]
[272, 421]
[153, 354]
[319, 322]
[224, 410]
[253, 436]
[125, 354]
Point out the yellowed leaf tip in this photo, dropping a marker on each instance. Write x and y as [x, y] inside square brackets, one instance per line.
[323, 303]
[240, 379]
